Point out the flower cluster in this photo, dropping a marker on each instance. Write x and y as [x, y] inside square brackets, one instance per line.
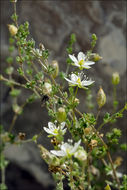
[80, 79]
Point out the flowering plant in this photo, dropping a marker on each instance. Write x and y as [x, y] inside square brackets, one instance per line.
[84, 160]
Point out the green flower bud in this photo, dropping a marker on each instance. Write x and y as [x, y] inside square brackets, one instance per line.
[1, 77]
[17, 109]
[12, 29]
[48, 157]
[61, 114]
[107, 187]
[115, 78]
[95, 57]
[56, 68]
[101, 98]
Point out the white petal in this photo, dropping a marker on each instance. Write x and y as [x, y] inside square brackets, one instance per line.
[86, 66]
[73, 58]
[64, 131]
[47, 130]
[81, 56]
[69, 80]
[62, 125]
[87, 83]
[89, 63]
[58, 152]
[51, 126]
[74, 77]
[76, 146]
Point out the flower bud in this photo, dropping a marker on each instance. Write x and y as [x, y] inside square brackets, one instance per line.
[95, 57]
[48, 157]
[107, 187]
[13, 1]
[81, 155]
[56, 68]
[1, 77]
[115, 78]
[76, 100]
[93, 143]
[12, 29]
[101, 98]
[47, 88]
[41, 46]
[87, 130]
[61, 114]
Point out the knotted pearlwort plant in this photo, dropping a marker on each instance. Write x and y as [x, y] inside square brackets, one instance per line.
[84, 160]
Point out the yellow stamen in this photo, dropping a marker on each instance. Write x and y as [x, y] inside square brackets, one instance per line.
[55, 131]
[79, 81]
[81, 62]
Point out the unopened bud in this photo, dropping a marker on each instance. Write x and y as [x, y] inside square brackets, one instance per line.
[48, 157]
[87, 130]
[81, 155]
[1, 77]
[101, 98]
[12, 29]
[41, 46]
[115, 78]
[47, 88]
[118, 161]
[13, 1]
[107, 187]
[56, 68]
[76, 100]
[61, 114]
[95, 57]
[21, 136]
[93, 143]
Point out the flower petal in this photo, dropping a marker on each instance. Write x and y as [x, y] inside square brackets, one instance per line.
[89, 63]
[81, 56]
[70, 81]
[73, 58]
[87, 83]
[47, 130]
[62, 125]
[76, 146]
[51, 126]
[86, 66]
[58, 152]
[74, 77]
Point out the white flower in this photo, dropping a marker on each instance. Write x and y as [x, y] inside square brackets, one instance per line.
[81, 61]
[79, 80]
[66, 149]
[55, 131]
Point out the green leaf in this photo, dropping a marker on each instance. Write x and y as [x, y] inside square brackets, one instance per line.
[15, 92]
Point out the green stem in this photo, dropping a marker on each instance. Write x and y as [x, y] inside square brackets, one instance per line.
[3, 175]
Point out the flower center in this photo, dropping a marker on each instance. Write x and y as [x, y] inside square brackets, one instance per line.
[55, 131]
[79, 81]
[68, 152]
[81, 62]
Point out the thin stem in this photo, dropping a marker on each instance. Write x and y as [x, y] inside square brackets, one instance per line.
[114, 98]
[88, 169]
[109, 157]
[3, 175]
[98, 113]
[13, 122]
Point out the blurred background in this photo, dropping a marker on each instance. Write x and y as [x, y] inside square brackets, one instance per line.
[51, 23]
